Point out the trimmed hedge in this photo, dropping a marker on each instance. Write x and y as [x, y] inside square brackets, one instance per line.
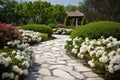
[97, 29]
[52, 25]
[38, 28]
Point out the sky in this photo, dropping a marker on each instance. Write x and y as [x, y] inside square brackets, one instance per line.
[63, 2]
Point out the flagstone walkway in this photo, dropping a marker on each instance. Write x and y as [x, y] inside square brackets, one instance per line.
[52, 63]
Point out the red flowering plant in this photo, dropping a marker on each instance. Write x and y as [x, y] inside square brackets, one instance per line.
[8, 32]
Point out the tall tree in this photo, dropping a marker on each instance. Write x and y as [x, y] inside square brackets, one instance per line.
[102, 10]
[70, 7]
[7, 11]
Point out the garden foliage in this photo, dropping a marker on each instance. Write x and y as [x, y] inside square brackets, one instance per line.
[102, 54]
[16, 56]
[8, 32]
[97, 29]
[38, 28]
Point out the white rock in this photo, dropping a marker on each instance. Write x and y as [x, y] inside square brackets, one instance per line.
[82, 68]
[44, 71]
[63, 74]
[56, 66]
[98, 78]
[90, 74]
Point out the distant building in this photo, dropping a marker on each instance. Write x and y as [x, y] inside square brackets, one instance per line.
[75, 14]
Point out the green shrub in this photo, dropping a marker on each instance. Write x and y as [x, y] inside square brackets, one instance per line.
[97, 29]
[52, 25]
[38, 28]
[8, 32]
[44, 36]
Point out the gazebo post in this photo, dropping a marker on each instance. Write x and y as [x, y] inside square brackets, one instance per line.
[76, 21]
[76, 14]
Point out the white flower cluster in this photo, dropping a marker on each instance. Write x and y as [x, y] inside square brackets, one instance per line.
[63, 31]
[18, 61]
[13, 43]
[30, 36]
[105, 51]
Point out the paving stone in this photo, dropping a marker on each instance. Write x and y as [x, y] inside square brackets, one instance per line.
[74, 64]
[63, 74]
[44, 71]
[47, 53]
[61, 62]
[90, 74]
[56, 55]
[77, 75]
[66, 68]
[71, 61]
[98, 78]
[54, 78]
[73, 73]
[45, 65]
[81, 68]
[55, 49]
[56, 66]
[63, 58]
[52, 63]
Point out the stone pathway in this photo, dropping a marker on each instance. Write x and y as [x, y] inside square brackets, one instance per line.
[52, 63]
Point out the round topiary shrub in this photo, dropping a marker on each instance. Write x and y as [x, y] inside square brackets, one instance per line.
[97, 29]
[38, 28]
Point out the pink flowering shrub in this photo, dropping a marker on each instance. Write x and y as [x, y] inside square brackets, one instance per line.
[8, 32]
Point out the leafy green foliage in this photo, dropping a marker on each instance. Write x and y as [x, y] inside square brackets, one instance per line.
[97, 29]
[94, 11]
[38, 28]
[52, 25]
[40, 12]
[44, 36]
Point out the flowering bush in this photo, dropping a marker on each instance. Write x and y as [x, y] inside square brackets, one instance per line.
[7, 32]
[14, 63]
[101, 54]
[30, 37]
[64, 31]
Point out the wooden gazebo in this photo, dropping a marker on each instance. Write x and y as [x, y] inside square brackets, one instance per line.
[75, 14]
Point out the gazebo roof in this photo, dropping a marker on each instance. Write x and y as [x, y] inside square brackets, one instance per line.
[75, 13]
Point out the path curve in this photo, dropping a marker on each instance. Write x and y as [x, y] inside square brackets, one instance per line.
[52, 63]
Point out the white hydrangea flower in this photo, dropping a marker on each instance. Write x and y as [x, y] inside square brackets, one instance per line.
[109, 45]
[18, 57]
[98, 43]
[6, 61]
[110, 69]
[25, 72]
[83, 49]
[11, 75]
[74, 50]
[103, 59]
[99, 53]
[118, 50]
[4, 75]
[117, 67]
[17, 69]
[7, 75]
[14, 52]
[26, 63]
[91, 63]
[92, 53]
